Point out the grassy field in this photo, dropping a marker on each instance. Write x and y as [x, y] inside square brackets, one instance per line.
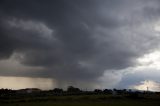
[92, 100]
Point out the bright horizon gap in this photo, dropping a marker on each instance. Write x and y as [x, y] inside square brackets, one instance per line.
[16, 83]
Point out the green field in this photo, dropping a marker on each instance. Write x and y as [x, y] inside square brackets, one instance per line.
[113, 103]
[92, 100]
[74, 103]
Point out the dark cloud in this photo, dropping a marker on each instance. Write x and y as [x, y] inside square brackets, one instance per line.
[71, 39]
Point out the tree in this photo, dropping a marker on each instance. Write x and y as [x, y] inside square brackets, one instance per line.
[73, 89]
[57, 90]
[98, 91]
[107, 91]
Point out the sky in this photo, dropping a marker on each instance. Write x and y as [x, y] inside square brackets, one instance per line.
[84, 43]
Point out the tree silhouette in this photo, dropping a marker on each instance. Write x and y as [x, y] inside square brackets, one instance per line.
[73, 89]
[58, 90]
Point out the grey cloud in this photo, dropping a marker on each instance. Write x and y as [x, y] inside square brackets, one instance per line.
[89, 36]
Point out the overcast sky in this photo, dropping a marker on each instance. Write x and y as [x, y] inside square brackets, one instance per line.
[84, 43]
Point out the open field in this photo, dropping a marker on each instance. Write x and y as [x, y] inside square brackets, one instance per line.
[85, 100]
[111, 103]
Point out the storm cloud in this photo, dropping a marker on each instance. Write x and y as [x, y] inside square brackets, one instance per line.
[75, 40]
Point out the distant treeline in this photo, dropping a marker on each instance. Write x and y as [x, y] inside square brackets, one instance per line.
[74, 91]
